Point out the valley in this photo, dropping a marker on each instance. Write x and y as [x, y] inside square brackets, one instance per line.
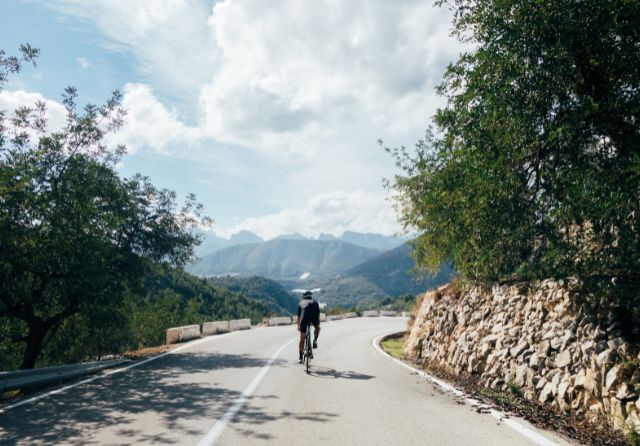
[353, 270]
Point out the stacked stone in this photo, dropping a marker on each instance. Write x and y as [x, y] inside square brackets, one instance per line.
[539, 341]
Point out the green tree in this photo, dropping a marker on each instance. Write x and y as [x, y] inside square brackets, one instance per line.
[533, 169]
[153, 314]
[74, 236]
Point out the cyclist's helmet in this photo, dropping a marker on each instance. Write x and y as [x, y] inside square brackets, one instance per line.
[307, 294]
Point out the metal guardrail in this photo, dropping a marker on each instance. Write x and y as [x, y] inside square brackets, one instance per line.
[24, 379]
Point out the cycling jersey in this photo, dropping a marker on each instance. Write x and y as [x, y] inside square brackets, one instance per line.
[309, 313]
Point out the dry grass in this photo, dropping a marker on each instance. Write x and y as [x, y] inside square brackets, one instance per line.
[146, 352]
[414, 311]
[10, 394]
[394, 346]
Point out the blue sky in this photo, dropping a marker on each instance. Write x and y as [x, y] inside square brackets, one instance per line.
[268, 111]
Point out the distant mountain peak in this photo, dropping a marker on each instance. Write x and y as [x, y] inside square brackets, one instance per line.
[212, 242]
[244, 237]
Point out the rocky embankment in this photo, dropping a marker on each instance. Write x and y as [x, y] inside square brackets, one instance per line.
[539, 340]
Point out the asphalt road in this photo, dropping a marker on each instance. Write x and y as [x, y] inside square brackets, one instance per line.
[247, 388]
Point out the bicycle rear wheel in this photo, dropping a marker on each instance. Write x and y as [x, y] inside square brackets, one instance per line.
[308, 349]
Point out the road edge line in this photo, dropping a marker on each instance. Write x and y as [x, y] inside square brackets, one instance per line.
[214, 433]
[523, 430]
[33, 399]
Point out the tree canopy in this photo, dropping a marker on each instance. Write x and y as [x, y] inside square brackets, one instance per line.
[74, 235]
[533, 167]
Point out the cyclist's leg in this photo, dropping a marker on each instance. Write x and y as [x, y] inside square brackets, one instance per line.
[302, 330]
[301, 344]
[316, 333]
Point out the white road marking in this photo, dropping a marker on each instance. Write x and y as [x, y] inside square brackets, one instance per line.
[111, 372]
[212, 436]
[518, 427]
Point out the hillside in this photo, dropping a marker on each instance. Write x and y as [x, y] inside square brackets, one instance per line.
[213, 300]
[350, 291]
[164, 299]
[392, 271]
[284, 259]
[387, 275]
[268, 292]
[348, 274]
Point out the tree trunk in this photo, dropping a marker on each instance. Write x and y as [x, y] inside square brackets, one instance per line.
[35, 339]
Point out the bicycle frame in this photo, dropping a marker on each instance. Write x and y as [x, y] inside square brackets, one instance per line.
[308, 353]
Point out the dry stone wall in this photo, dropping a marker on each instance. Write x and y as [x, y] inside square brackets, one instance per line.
[539, 340]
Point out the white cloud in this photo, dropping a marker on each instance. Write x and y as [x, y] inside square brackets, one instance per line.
[11, 100]
[83, 62]
[149, 124]
[332, 213]
[290, 96]
[287, 78]
[297, 77]
[170, 39]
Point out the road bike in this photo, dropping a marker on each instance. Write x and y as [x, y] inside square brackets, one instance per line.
[307, 353]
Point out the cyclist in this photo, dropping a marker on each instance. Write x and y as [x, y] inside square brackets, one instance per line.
[308, 314]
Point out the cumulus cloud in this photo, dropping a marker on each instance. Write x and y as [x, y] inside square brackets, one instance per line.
[296, 77]
[287, 78]
[150, 124]
[11, 100]
[332, 213]
[295, 92]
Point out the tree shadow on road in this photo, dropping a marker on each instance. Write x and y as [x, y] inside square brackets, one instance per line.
[162, 402]
[325, 372]
[252, 415]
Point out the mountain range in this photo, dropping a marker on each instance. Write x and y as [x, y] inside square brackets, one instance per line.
[346, 273]
[284, 259]
[212, 242]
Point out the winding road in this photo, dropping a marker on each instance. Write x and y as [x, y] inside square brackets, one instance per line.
[247, 388]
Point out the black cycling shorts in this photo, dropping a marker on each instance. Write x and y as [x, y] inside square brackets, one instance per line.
[304, 323]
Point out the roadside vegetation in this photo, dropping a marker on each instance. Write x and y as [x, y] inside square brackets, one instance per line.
[269, 292]
[394, 346]
[532, 169]
[90, 262]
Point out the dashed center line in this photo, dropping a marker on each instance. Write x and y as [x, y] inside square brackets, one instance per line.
[212, 436]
